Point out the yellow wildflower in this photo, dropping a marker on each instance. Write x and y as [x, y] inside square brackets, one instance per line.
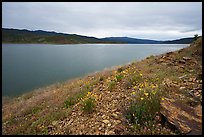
[94, 95]
[146, 94]
[133, 93]
[108, 80]
[154, 92]
[142, 98]
[140, 89]
[89, 93]
[140, 74]
[153, 86]
[162, 98]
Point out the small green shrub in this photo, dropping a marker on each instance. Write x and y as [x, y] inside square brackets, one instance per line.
[69, 102]
[135, 79]
[32, 111]
[111, 85]
[36, 109]
[195, 37]
[86, 87]
[88, 105]
[101, 78]
[75, 98]
[145, 106]
[127, 84]
[120, 69]
[149, 57]
[45, 131]
[138, 113]
[119, 77]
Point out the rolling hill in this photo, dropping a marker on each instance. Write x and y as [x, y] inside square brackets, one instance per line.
[40, 36]
[147, 41]
[51, 37]
[132, 40]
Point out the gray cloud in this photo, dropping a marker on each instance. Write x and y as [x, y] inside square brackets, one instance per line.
[154, 20]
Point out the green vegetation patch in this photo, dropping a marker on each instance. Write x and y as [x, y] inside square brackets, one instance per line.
[111, 85]
[119, 77]
[88, 105]
[76, 97]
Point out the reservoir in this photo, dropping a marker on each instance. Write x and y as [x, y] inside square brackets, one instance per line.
[29, 66]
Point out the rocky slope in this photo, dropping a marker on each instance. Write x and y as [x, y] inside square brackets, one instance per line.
[174, 79]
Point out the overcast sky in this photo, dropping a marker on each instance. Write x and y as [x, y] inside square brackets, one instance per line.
[152, 20]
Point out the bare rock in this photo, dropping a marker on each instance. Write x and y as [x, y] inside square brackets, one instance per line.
[198, 110]
[182, 116]
[114, 115]
[167, 82]
[186, 58]
[182, 61]
[169, 53]
[106, 121]
[110, 132]
[118, 129]
[182, 88]
[118, 121]
[50, 127]
[54, 123]
[70, 121]
[161, 60]
[200, 81]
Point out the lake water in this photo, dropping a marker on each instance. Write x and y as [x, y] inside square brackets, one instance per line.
[29, 66]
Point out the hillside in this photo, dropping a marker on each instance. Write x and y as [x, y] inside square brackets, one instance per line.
[179, 41]
[147, 41]
[45, 37]
[159, 95]
[132, 40]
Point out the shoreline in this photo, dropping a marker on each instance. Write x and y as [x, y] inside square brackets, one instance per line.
[112, 68]
[104, 43]
[84, 75]
[55, 84]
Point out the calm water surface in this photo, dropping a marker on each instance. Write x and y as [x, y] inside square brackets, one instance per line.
[29, 66]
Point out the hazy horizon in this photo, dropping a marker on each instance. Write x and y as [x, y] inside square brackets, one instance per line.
[101, 37]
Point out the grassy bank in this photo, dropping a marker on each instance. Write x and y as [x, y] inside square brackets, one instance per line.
[123, 100]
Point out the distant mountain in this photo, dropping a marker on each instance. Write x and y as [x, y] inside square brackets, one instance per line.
[40, 36]
[131, 40]
[147, 41]
[179, 41]
[51, 37]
